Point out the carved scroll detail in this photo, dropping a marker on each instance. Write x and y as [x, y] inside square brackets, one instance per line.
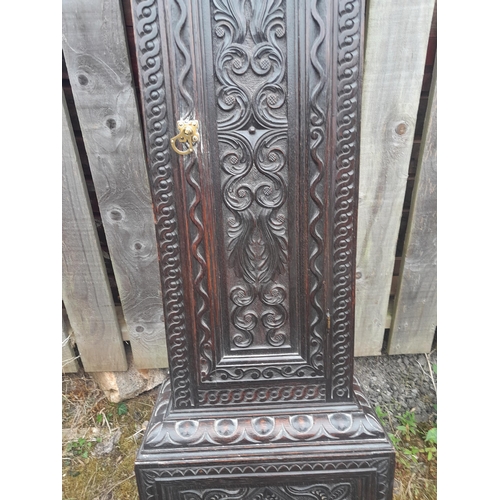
[343, 224]
[250, 69]
[256, 229]
[263, 395]
[320, 491]
[240, 100]
[153, 83]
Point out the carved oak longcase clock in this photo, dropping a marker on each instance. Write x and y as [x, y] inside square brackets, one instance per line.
[251, 110]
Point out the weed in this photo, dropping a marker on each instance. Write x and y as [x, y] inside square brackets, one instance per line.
[381, 414]
[431, 436]
[431, 440]
[122, 409]
[408, 425]
[416, 450]
[80, 447]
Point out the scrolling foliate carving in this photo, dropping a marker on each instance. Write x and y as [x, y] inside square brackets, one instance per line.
[255, 180]
[319, 491]
[249, 63]
[250, 69]
[256, 235]
[158, 134]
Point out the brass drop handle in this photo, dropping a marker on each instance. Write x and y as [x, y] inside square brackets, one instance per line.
[188, 132]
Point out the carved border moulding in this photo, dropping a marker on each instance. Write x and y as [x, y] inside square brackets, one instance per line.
[167, 429]
[158, 133]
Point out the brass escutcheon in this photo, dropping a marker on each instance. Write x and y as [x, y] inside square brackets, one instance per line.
[188, 132]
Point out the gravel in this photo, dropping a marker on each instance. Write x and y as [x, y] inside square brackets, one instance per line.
[400, 383]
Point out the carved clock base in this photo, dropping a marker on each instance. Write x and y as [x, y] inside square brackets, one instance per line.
[339, 451]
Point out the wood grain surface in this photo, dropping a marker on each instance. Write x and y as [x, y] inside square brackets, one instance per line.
[414, 323]
[96, 54]
[396, 47]
[69, 363]
[86, 293]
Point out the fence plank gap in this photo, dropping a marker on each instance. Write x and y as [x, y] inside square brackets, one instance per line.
[97, 58]
[394, 68]
[414, 321]
[69, 359]
[86, 292]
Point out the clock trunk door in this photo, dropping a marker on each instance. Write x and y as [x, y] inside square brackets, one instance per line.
[256, 225]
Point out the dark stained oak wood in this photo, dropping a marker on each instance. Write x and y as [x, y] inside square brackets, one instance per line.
[257, 235]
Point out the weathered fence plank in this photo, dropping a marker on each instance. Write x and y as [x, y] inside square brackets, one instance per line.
[414, 322]
[397, 37]
[97, 59]
[86, 293]
[69, 364]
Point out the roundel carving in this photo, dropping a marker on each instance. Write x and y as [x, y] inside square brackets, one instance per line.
[225, 427]
[186, 428]
[341, 421]
[301, 423]
[263, 425]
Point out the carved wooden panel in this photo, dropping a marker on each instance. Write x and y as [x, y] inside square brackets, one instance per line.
[351, 478]
[256, 228]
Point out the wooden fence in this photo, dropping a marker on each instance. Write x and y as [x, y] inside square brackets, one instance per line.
[111, 283]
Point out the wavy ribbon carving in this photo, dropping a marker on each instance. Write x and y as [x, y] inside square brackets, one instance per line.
[191, 169]
[317, 134]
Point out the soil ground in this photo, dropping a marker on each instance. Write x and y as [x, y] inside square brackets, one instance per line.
[100, 439]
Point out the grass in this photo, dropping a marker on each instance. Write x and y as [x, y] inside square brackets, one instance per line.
[416, 455]
[90, 420]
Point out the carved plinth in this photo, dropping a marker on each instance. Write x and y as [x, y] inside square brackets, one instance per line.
[256, 229]
[324, 453]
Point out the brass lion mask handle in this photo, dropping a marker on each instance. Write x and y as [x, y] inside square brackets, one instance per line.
[188, 133]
